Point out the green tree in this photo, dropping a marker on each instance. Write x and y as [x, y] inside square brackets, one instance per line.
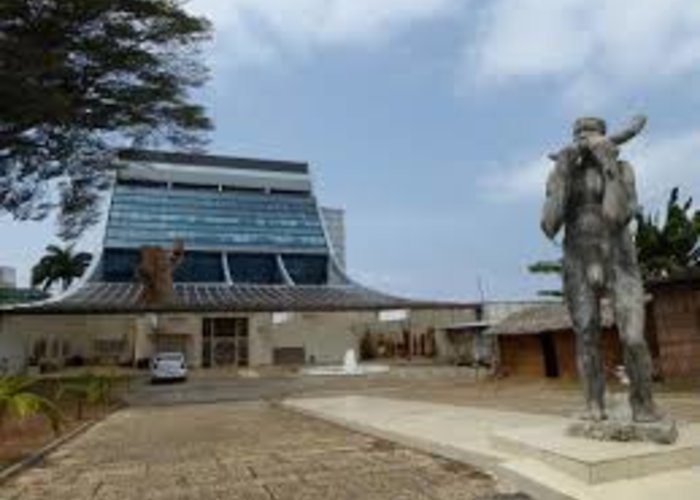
[59, 264]
[80, 79]
[672, 245]
[18, 400]
[548, 267]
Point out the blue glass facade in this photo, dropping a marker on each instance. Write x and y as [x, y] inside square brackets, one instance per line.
[248, 229]
[254, 269]
[120, 264]
[307, 269]
[200, 267]
[213, 220]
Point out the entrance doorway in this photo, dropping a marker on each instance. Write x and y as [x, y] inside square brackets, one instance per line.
[224, 342]
[549, 354]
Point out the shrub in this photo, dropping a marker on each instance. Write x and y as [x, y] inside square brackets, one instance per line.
[18, 399]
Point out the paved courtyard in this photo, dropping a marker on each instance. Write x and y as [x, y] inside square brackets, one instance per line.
[553, 397]
[249, 451]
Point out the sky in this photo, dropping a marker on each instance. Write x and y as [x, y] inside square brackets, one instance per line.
[429, 121]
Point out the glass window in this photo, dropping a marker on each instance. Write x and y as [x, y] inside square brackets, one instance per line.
[200, 267]
[307, 269]
[144, 216]
[254, 269]
[202, 187]
[119, 265]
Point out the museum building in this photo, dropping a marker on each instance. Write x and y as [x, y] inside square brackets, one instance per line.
[259, 276]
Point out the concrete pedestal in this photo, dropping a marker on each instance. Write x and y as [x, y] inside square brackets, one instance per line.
[662, 432]
[531, 453]
[594, 462]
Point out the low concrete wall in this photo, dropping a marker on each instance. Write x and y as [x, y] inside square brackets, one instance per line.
[324, 336]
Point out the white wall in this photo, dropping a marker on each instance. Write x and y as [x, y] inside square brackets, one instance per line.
[12, 351]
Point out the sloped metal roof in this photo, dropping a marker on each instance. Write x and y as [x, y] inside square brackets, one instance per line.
[99, 297]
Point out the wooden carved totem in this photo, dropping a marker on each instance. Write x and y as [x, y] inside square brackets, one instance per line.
[155, 272]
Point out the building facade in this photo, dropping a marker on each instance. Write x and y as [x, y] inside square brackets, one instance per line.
[261, 278]
[539, 341]
[8, 277]
[674, 320]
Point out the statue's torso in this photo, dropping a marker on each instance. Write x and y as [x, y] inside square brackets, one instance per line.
[584, 210]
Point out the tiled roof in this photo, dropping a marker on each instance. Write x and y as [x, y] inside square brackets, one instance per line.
[98, 297]
[545, 318]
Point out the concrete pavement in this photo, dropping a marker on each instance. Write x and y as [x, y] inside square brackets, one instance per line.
[536, 457]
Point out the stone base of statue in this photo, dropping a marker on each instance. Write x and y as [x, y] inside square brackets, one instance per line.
[620, 427]
[661, 432]
[594, 461]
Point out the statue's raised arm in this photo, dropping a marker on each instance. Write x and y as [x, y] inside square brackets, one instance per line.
[632, 130]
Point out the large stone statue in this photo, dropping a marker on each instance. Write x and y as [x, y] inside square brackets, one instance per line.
[591, 193]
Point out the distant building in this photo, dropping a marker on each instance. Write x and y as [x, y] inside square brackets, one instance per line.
[8, 277]
[468, 340]
[10, 294]
[539, 341]
[262, 279]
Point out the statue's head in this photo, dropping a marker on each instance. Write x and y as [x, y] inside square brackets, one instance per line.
[589, 126]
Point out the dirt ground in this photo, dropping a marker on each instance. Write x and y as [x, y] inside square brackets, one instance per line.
[19, 439]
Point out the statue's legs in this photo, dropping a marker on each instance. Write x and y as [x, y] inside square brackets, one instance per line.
[628, 296]
[584, 307]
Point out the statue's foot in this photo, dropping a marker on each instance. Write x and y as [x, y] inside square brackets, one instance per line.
[593, 415]
[646, 415]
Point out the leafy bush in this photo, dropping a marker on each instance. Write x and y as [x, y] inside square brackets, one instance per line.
[19, 400]
[87, 389]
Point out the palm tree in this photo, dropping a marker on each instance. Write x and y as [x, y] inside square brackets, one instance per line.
[18, 400]
[670, 246]
[59, 264]
[550, 267]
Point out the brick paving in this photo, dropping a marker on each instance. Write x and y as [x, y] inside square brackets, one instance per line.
[249, 451]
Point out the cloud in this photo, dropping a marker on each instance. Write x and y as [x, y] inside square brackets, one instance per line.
[260, 31]
[661, 163]
[589, 48]
[667, 163]
[513, 183]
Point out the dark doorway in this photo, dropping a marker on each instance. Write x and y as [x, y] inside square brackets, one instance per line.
[549, 355]
[289, 356]
[224, 342]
